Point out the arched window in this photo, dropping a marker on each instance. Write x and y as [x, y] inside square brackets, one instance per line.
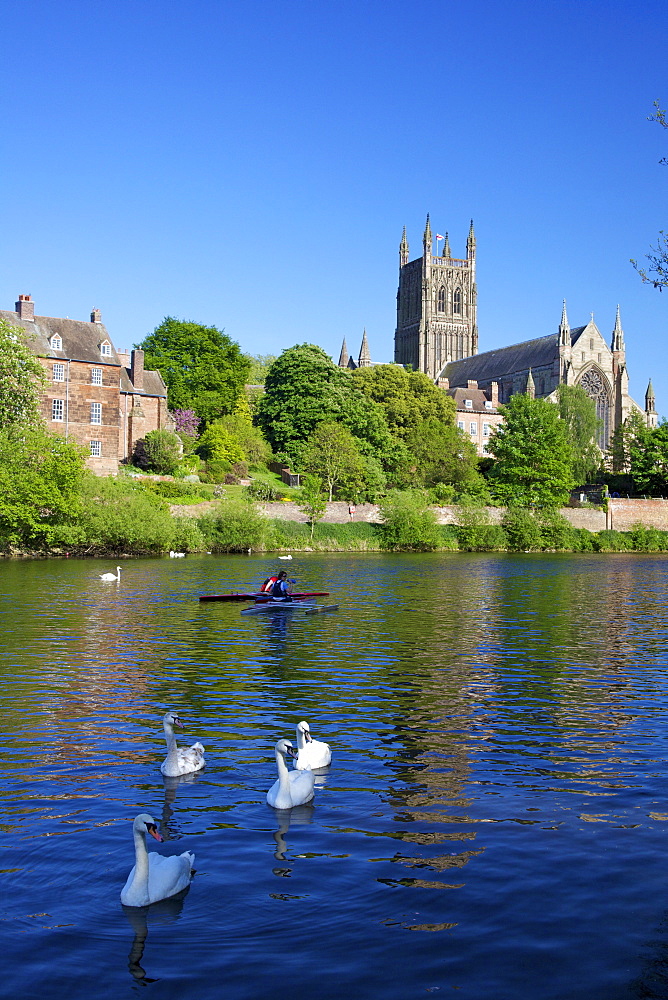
[594, 385]
[441, 299]
[457, 302]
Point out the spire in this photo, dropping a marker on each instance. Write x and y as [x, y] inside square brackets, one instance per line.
[618, 334]
[470, 242]
[650, 401]
[403, 249]
[343, 356]
[531, 388]
[364, 359]
[446, 246]
[564, 328]
[427, 238]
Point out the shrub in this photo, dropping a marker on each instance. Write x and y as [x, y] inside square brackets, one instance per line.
[235, 526]
[176, 490]
[187, 535]
[557, 532]
[265, 492]
[442, 494]
[159, 452]
[215, 472]
[218, 445]
[648, 539]
[612, 541]
[522, 530]
[120, 516]
[409, 523]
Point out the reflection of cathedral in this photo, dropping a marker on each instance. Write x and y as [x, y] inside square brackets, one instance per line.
[437, 333]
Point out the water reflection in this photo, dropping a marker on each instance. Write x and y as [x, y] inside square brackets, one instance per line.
[170, 831]
[167, 911]
[297, 816]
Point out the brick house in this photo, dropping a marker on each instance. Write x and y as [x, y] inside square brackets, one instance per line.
[476, 411]
[100, 397]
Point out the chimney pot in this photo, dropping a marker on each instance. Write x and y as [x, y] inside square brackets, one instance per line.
[25, 307]
[495, 393]
[96, 316]
[472, 383]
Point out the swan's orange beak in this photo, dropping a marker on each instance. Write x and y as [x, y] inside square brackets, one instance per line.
[154, 832]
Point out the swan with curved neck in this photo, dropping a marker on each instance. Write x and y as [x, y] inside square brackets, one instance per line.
[311, 753]
[111, 576]
[291, 788]
[154, 877]
[179, 760]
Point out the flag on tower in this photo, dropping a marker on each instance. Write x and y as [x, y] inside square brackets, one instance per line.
[438, 236]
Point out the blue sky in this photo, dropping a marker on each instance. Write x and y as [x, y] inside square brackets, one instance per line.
[251, 165]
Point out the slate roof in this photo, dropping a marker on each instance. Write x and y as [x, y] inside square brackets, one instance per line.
[504, 361]
[154, 384]
[81, 341]
[477, 396]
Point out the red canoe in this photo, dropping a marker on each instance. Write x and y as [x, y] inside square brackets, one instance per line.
[258, 598]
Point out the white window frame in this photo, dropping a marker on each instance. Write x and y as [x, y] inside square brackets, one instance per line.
[468, 403]
[105, 349]
[59, 373]
[460, 424]
[95, 412]
[58, 410]
[488, 405]
[96, 376]
[96, 449]
[56, 343]
[473, 428]
[485, 430]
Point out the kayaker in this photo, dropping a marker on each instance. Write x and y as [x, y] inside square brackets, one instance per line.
[281, 588]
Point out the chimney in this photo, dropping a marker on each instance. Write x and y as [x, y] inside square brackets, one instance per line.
[495, 393]
[444, 383]
[96, 316]
[25, 307]
[137, 369]
[472, 384]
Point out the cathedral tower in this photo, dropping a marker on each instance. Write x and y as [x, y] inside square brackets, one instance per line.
[436, 305]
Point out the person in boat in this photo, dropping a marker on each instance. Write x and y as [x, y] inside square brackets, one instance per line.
[282, 589]
[268, 585]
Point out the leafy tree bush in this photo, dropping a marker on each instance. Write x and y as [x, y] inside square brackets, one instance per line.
[250, 440]
[235, 526]
[557, 532]
[649, 460]
[21, 378]
[120, 516]
[409, 523]
[407, 398]
[332, 454]
[159, 452]
[533, 455]
[312, 501]
[264, 492]
[174, 490]
[442, 494]
[204, 370]
[474, 525]
[612, 541]
[648, 539]
[187, 536]
[578, 411]
[217, 445]
[40, 481]
[522, 530]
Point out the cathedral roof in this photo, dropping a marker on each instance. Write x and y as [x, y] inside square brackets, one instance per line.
[504, 361]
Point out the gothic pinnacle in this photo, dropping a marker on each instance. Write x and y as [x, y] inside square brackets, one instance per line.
[446, 246]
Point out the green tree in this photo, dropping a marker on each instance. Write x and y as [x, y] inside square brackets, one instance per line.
[533, 454]
[406, 397]
[249, 438]
[331, 453]
[160, 452]
[40, 481]
[657, 273]
[311, 500]
[439, 452]
[578, 411]
[259, 367]
[21, 378]
[629, 430]
[217, 444]
[303, 388]
[204, 370]
[649, 460]
[409, 523]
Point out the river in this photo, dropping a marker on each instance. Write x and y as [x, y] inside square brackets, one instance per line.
[493, 824]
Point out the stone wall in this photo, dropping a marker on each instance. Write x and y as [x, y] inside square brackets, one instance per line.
[623, 514]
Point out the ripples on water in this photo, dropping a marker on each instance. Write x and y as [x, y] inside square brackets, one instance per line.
[494, 820]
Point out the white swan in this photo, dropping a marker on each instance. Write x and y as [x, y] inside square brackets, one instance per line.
[285, 557]
[291, 788]
[111, 576]
[176, 555]
[311, 753]
[154, 877]
[179, 760]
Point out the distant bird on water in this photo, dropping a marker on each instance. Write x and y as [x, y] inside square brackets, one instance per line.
[111, 576]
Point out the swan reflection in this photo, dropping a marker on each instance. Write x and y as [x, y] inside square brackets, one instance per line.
[167, 911]
[297, 816]
[171, 785]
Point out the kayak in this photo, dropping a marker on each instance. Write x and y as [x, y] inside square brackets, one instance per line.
[278, 605]
[265, 598]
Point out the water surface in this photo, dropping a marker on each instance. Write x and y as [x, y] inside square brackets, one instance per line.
[493, 823]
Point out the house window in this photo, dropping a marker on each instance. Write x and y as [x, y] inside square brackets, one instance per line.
[473, 426]
[468, 403]
[96, 376]
[56, 343]
[488, 405]
[457, 301]
[591, 343]
[441, 300]
[57, 409]
[485, 430]
[96, 413]
[96, 448]
[460, 424]
[105, 349]
[59, 373]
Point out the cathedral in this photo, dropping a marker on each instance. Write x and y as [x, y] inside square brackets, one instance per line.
[437, 333]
